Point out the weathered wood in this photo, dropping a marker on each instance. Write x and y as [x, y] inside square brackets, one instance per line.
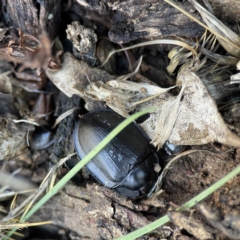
[134, 19]
[32, 17]
[152, 18]
[91, 214]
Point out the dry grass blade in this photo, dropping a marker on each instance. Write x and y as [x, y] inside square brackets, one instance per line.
[64, 115]
[158, 184]
[160, 41]
[167, 115]
[220, 28]
[6, 195]
[27, 203]
[26, 121]
[131, 74]
[22, 225]
[210, 51]
[220, 59]
[2, 210]
[229, 40]
[144, 88]
[156, 188]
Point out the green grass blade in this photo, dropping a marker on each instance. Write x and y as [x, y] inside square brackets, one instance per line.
[160, 222]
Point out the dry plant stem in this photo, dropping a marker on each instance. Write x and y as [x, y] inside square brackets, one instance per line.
[131, 59]
[129, 75]
[220, 59]
[222, 30]
[26, 121]
[32, 198]
[160, 41]
[5, 196]
[27, 202]
[158, 184]
[13, 203]
[211, 54]
[64, 115]
[23, 225]
[48, 181]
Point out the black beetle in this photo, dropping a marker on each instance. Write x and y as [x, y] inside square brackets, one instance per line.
[126, 163]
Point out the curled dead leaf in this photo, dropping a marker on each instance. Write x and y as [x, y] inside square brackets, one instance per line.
[197, 120]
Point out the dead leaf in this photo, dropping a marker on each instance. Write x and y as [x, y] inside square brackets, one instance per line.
[198, 121]
[74, 75]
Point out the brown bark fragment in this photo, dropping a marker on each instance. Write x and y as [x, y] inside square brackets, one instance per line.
[87, 211]
[145, 19]
[33, 17]
[90, 213]
[140, 19]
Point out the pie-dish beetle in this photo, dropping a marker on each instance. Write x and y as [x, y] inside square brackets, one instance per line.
[127, 163]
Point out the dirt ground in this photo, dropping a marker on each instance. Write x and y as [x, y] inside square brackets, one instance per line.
[44, 46]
